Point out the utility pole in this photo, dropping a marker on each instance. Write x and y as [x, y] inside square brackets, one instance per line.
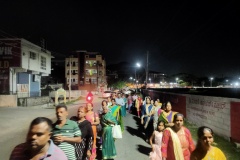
[147, 70]
[70, 78]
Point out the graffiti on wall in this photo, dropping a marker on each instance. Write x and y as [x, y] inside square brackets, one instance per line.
[203, 108]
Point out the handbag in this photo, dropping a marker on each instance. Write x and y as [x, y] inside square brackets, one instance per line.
[98, 126]
[116, 131]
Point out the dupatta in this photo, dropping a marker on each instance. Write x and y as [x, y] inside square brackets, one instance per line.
[176, 145]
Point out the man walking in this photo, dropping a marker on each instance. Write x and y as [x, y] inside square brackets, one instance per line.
[38, 145]
[120, 102]
[66, 132]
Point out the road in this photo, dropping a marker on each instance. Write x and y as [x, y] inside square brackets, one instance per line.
[15, 123]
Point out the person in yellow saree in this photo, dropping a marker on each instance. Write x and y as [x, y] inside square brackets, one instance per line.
[167, 115]
[116, 112]
[108, 145]
[177, 143]
[204, 149]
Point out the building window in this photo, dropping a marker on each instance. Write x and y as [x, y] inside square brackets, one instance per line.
[43, 63]
[33, 55]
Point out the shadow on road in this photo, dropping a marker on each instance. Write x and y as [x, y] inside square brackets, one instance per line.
[143, 149]
[135, 132]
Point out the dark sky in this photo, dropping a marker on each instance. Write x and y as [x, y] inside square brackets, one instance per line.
[200, 37]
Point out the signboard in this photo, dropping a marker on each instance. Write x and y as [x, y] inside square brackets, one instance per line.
[4, 81]
[10, 56]
[10, 53]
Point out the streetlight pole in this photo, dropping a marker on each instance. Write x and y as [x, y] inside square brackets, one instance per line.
[137, 65]
[177, 81]
[211, 80]
[147, 70]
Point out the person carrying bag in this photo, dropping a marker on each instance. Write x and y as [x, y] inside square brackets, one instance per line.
[116, 131]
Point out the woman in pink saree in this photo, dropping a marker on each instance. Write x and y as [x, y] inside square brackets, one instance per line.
[177, 143]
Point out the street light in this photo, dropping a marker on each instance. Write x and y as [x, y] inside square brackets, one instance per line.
[150, 80]
[177, 80]
[211, 79]
[137, 66]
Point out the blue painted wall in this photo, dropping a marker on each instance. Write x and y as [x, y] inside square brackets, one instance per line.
[34, 89]
[23, 78]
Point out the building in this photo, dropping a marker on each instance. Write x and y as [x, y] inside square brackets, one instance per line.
[85, 70]
[22, 64]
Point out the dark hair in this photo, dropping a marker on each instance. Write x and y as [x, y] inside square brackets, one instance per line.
[168, 102]
[39, 120]
[113, 99]
[85, 109]
[159, 123]
[176, 115]
[104, 101]
[61, 106]
[201, 130]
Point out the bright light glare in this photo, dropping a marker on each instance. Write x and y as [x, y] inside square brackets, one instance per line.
[138, 64]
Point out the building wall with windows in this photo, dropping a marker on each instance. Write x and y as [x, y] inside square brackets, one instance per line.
[86, 68]
[22, 64]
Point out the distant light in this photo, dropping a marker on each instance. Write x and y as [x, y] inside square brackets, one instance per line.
[211, 78]
[236, 84]
[138, 64]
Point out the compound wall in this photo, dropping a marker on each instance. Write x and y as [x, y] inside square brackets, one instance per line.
[219, 113]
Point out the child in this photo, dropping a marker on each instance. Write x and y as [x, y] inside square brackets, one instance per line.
[156, 146]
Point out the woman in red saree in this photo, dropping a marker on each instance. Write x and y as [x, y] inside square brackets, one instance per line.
[177, 143]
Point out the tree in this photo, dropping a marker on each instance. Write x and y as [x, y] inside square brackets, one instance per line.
[119, 84]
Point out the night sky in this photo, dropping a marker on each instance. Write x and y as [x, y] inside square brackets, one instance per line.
[200, 37]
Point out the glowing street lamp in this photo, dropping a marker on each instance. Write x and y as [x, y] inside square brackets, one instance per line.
[137, 66]
[177, 80]
[211, 79]
[150, 80]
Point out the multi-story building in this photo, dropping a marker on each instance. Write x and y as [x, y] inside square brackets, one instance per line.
[85, 69]
[22, 64]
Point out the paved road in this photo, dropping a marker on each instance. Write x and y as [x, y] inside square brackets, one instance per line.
[15, 123]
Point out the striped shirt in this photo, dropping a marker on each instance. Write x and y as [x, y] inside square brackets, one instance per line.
[21, 152]
[69, 129]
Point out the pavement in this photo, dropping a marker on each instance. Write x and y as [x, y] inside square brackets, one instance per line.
[16, 120]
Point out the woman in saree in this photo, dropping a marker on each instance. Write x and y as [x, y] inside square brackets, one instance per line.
[204, 149]
[83, 149]
[167, 115]
[147, 118]
[138, 104]
[116, 112]
[93, 118]
[108, 145]
[177, 143]
[123, 109]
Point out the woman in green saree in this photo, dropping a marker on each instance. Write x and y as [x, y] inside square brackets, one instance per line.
[108, 145]
[167, 115]
[116, 112]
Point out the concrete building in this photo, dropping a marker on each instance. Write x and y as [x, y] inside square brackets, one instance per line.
[86, 70]
[22, 64]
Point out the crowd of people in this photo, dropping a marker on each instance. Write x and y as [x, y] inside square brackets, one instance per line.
[76, 138]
